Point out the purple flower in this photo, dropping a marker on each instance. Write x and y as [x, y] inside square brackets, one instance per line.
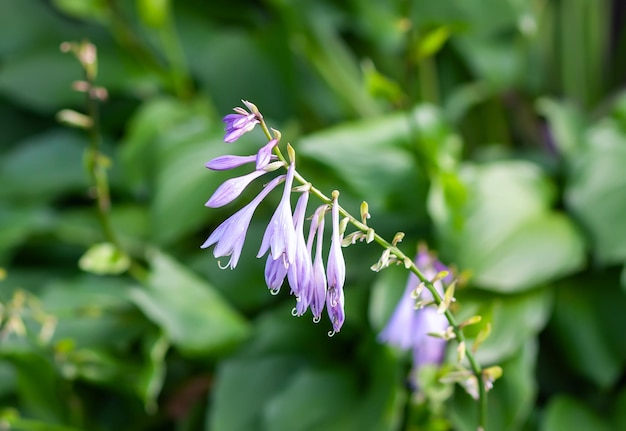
[299, 272]
[224, 163]
[280, 235]
[230, 189]
[241, 122]
[231, 234]
[408, 328]
[317, 283]
[336, 270]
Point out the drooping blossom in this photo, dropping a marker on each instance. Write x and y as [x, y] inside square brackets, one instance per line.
[275, 273]
[317, 283]
[241, 122]
[336, 272]
[280, 235]
[299, 272]
[230, 235]
[408, 327]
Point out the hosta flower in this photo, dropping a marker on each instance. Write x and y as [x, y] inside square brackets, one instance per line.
[275, 273]
[280, 234]
[299, 272]
[224, 163]
[336, 272]
[231, 234]
[408, 327]
[317, 283]
[241, 122]
[230, 189]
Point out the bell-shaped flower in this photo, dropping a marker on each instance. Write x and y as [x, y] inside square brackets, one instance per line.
[280, 234]
[317, 283]
[336, 272]
[230, 235]
[299, 272]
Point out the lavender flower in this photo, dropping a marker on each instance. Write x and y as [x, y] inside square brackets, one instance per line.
[241, 122]
[230, 189]
[336, 270]
[408, 328]
[280, 235]
[299, 273]
[317, 283]
[231, 234]
[224, 163]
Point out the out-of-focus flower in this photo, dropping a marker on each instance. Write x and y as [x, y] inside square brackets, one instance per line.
[408, 328]
[336, 271]
[241, 122]
[231, 234]
[280, 234]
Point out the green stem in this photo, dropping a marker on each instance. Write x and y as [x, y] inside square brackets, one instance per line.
[410, 265]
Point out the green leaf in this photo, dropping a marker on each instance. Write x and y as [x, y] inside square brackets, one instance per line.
[190, 311]
[587, 326]
[335, 394]
[508, 240]
[567, 413]
[104, 258]
[260, 378]
[43, 167]
[595, 190]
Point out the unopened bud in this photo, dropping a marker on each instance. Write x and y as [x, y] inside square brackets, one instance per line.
[74, 119]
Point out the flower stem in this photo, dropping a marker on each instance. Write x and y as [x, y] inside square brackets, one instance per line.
[410, 265]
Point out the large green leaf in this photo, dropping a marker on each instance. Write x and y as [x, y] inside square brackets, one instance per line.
[567, 413]
[190, 311]
[595, 189]
[43, 167]
[587, 325]
[504, 232]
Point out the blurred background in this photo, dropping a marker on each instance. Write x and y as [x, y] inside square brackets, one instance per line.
[492, 130]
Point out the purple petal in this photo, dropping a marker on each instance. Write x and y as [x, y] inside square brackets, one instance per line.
[275, 273]
[264, 155]
[299, 273]
[336, 271]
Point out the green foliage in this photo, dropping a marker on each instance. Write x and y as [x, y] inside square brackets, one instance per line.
[494, 131]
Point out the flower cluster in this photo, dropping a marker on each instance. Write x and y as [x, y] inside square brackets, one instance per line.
[289, 254]
[411, 323]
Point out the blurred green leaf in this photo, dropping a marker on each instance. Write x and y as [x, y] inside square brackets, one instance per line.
[432, 42]
[260, 378]
[582, 328]
[43, 167]
[595, 189]
[509, 239]
[104, 258]
[153, 13]
[85, 9]
[190, 311]
[566, 413]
